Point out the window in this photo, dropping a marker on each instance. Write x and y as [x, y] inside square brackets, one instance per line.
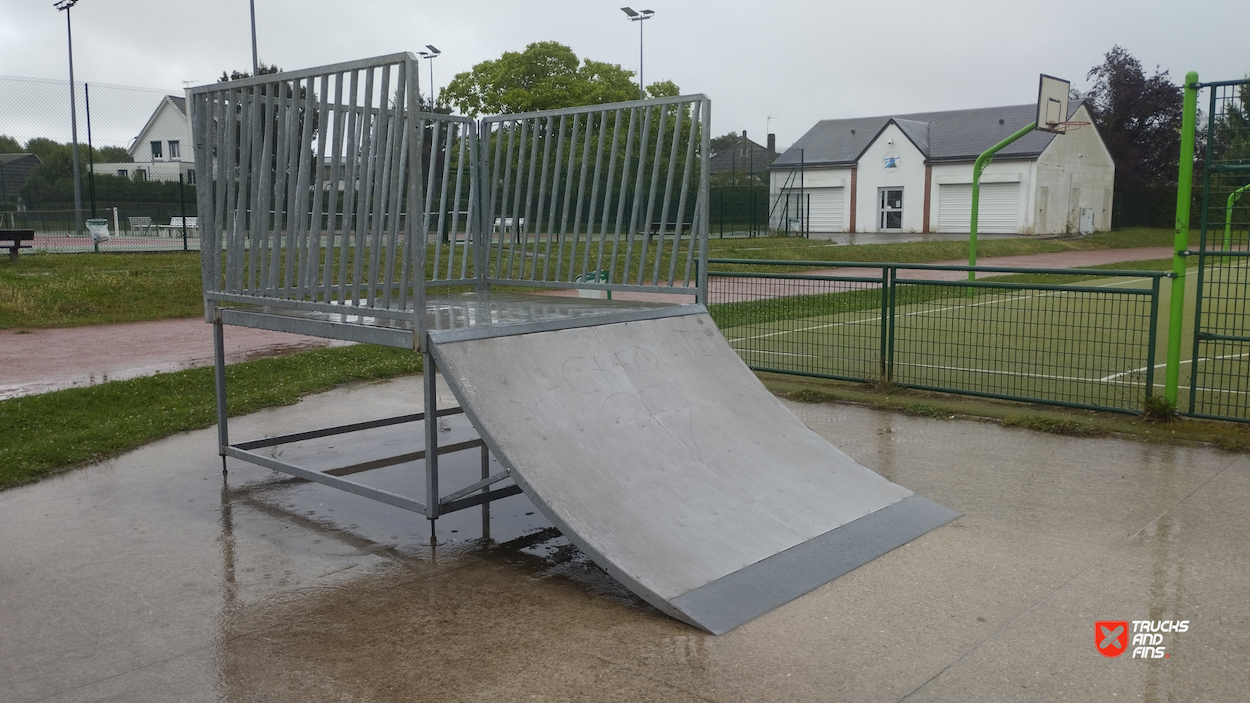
[123, 173]
[156, 150]
[891, 201]
[140, 174]
[190, 176]
[173, 149]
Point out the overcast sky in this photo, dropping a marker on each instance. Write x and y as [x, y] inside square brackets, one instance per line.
[798, 61]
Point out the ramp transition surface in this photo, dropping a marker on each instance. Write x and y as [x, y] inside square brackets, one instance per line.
[659, 454]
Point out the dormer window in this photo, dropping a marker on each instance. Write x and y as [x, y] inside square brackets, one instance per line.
[156, 150]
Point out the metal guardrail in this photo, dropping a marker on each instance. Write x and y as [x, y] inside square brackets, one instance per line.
[1061, 343]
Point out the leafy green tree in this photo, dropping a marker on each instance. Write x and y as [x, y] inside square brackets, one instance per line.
[546, 76]
[725, 141]
[261, 70]
[1139, 118]
[9, 145]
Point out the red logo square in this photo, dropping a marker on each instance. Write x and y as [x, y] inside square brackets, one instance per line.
[1111, 637]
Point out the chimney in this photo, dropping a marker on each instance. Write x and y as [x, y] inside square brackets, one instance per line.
[744, 137]
[772, 143]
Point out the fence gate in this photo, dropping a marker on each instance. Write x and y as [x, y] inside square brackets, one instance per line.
[1220, 378]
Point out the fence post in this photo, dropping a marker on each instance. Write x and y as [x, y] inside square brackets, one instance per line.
[182, 205]
[1184, 190]
[1151, 342]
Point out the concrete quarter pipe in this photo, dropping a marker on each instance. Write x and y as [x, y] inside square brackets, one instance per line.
[659, 454]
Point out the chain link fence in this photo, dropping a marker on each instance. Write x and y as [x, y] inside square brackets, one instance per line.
[136, 173]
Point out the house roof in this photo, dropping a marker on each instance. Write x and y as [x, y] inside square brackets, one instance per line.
[14, 170]
[179, 103]
[742, 156]
[952, 135]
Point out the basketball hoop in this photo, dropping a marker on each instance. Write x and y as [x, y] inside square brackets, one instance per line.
[1070, 126]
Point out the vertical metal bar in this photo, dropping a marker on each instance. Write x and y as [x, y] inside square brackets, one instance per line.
[528, 212]
[485, 490]
[430, 384]
[685, 192]
[505, 270]
[701, 204]
[444, 148]
[568, 195]
[514, 211]
[594, 196]
[219, 377]
[246, 106]
[415, 142]
[643, 144]
[314, 261]
[620, 203]
[260, 217]
[488, 212]
[1184, 188]
[355, 130]
[282, 142]
[381, 183]
[581, 196]
[678, 115]
[1151, 338]
[368, 148]
[391, 209]
[465, 136]
[551, 229]
[307, 173]
[210, 227]
[336, 158]
[607, 188]
[292, 211]
[655, 182]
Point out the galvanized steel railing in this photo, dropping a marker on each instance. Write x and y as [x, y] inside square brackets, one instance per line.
[329, 190]
[611, 195]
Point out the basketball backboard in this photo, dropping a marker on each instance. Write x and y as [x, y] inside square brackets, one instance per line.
[1052, 104]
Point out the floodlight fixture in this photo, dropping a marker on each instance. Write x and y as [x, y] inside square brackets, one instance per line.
[432, 54]
[65, 4]
[638, 16]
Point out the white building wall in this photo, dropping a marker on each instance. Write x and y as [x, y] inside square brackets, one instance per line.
[873, 176]
[1075, 171]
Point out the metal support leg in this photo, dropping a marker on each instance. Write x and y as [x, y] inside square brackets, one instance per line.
[431, 438]
[486, 489]
[219, 366]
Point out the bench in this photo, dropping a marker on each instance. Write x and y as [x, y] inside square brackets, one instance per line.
[175, 225]
[13, 238]
[142, 225]
[669, 227]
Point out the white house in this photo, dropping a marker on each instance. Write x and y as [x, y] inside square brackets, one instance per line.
[913, 173]
[162, 150]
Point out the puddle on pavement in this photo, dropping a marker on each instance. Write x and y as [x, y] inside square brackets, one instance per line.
[95, 377]
[388, 614]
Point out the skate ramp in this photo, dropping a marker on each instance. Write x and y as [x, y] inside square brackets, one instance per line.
[656, 451]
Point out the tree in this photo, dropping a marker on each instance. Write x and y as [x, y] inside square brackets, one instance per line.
[546, 76]
[9, 145]
[261, 70]
[725, 141]
[1139, 118]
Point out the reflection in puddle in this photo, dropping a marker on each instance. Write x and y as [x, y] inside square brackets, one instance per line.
[95, 377]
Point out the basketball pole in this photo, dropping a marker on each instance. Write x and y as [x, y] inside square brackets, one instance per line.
[978, 167]
[1184, 191]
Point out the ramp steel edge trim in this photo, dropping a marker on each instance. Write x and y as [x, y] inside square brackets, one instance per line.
[508, 330]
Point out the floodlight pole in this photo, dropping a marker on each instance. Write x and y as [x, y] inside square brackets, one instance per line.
[73, 116]
[978, 167]
[639, 17]
[255, 56]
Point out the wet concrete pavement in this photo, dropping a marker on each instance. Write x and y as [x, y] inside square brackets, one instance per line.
[148, 578]
[42, 360]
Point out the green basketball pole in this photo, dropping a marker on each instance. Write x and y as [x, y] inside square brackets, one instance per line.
[977, 168]
[1184, 190]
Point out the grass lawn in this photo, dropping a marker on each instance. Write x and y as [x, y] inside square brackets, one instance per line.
[68, 290]
[48, 433]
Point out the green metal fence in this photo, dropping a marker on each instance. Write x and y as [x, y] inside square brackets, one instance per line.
[1220, 385]
[1038, 335]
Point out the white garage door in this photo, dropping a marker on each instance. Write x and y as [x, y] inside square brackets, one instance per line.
[999, 208]
[827, 207]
